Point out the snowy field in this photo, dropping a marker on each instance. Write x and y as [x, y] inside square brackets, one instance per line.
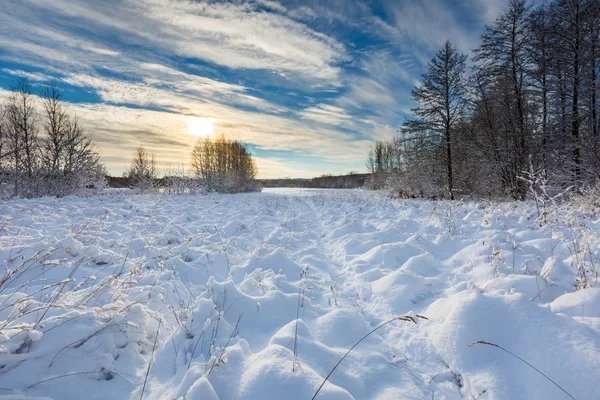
[257, 296]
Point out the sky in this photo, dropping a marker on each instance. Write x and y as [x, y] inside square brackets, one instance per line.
[308, 85]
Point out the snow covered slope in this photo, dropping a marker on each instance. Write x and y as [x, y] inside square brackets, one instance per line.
[257, 296]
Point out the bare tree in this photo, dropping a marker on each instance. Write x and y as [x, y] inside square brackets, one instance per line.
[592, 86]
[59, 162]
[142, 172]
[69, 160]
[223, 165]
[442, 104]
[377, 163]
[568, 20]
[539, 49]
[503, 57]
[55, 128]
[3, 138]
[23, 137]
[79, 162]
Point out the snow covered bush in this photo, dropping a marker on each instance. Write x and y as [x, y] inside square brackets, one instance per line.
[589, 198]
[179, 180]
[546, 196]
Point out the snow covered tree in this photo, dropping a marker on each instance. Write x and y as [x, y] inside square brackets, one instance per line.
[575, 29]
[503, 62]
[142, 173]
[23, 144]
[531, 100]
[224, 165]
[3, 139]
[539, 49]
[81, 164]
[380, 164]
[57, 159]
[55, 129]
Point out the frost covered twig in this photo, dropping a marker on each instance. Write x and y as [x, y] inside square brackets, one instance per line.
[520, 359]
[219, 359]
[68, 375]
[406, 318]
[150, 362]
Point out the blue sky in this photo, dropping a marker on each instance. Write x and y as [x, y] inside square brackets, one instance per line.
[308, 84]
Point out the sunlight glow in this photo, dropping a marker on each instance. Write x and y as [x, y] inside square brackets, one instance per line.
[200, 127]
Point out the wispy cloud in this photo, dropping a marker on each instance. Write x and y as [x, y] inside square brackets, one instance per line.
[428, 24]
[236, 36]
[310, 78]
[327, 114]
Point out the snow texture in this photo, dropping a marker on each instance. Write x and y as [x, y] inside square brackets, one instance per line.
[257, 296]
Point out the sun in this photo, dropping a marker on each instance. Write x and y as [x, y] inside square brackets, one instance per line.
[200, 127]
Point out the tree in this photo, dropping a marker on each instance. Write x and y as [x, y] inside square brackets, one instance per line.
[223, 165]
[442, 103]
[142, 172]
[69, 160]
[576, 38]
[3, 139]
[503, 62]
[56, 126]
[22, 132]
[532, 108]
[377, 164]
[59, 162]
[569, 19]
[539, 49]
[79, 163]
[592, 32]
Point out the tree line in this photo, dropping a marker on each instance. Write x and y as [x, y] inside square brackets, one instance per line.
[351, 180]
[44, 151]
[522, 112]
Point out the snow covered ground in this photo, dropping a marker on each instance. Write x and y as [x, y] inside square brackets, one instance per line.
[257, 296]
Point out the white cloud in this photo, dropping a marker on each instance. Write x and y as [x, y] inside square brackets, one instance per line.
[156, 57]
[490, 9]
[273, 167]
[237, 36]
[368, 94]
[327, 114]
[119, 129]
[168, 89]
[428, 24]
[387, 66]
[32, 76]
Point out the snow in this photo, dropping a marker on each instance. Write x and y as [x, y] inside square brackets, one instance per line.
[256, 296]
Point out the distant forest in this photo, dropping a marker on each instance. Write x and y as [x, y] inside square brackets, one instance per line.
[348, 181]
